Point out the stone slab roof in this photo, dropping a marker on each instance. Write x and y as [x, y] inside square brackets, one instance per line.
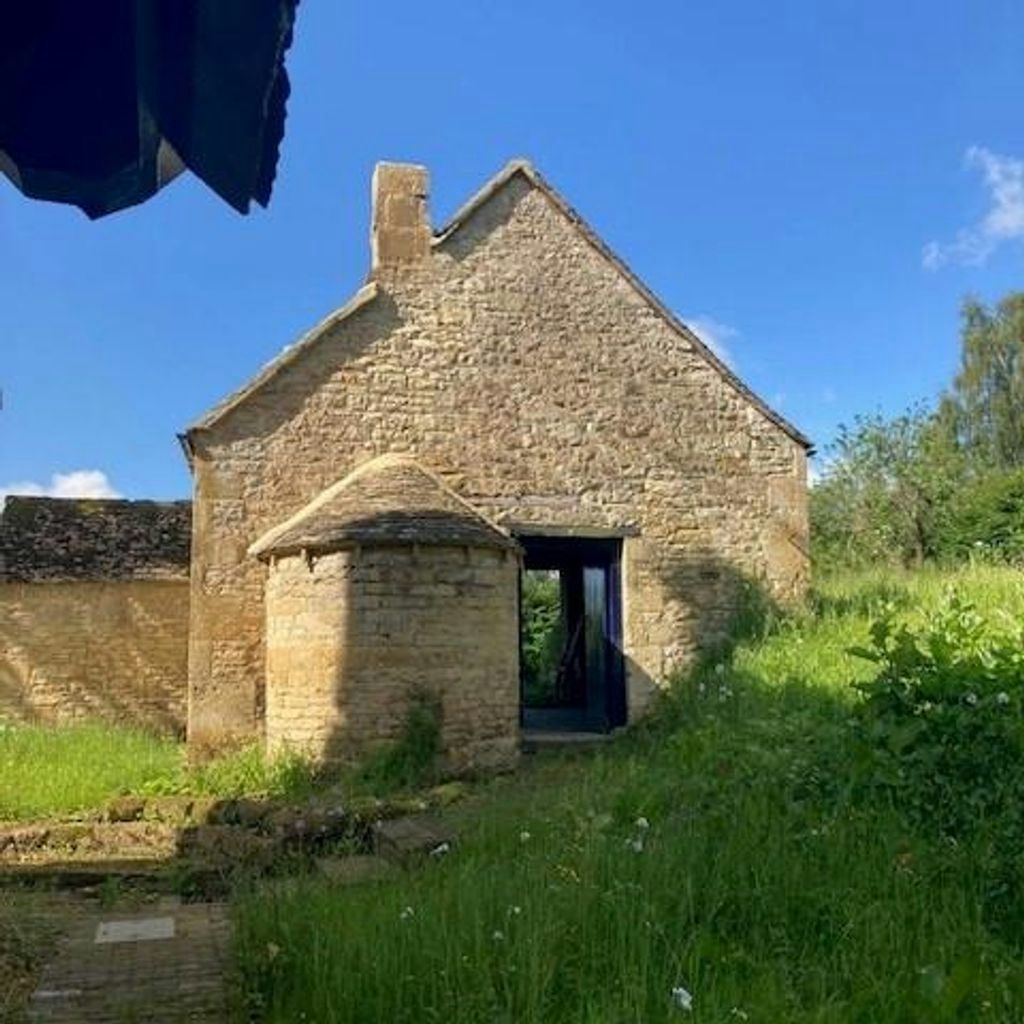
[388, 500]
[52, 539]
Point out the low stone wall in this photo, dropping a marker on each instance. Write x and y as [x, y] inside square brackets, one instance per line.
[351, 635]
[80, 649]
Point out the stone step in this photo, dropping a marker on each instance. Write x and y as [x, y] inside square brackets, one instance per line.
[533, 740]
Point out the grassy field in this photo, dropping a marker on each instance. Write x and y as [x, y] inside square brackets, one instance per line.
[716, 865]
[48, 772]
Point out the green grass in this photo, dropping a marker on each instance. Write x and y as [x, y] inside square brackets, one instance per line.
[47, 771]
[757, 884]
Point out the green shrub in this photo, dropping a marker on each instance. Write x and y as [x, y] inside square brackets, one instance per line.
[543, 635]
[941, 729]
[988, 520]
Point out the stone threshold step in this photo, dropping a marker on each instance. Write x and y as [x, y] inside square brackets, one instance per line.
[533, 740]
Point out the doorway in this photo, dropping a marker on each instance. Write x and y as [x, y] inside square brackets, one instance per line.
[570, 635]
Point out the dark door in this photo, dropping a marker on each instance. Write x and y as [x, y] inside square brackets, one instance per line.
[570, 634]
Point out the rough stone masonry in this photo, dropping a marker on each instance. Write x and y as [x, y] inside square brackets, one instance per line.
[511, 353]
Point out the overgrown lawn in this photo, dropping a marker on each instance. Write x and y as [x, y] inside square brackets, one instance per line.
[722, 854]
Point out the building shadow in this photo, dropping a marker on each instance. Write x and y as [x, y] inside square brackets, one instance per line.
[115, 651]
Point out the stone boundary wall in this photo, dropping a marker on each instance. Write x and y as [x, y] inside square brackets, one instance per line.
[81, 649]
[353, 634]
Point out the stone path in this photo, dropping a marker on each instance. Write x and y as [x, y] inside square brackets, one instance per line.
[164, 965]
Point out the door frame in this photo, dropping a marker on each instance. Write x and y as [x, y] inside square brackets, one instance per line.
[605, 700]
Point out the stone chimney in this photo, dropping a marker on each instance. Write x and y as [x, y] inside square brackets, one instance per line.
[400, 231]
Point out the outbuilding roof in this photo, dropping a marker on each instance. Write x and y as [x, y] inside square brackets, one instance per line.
[389, 500]
[51, 539]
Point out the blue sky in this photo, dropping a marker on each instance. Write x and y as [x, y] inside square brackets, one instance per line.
[815, 185]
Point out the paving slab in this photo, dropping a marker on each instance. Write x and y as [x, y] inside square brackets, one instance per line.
[164, 965]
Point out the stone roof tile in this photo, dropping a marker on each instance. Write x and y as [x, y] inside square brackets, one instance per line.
[388, 500]
[51, 539]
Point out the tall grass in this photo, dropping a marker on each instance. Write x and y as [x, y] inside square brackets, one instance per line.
[716, 850]
[47, 771]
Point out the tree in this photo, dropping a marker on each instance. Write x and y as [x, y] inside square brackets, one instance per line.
[887, 491]
[985, 406]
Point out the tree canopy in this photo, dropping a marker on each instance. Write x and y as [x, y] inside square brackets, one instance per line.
[942, 482]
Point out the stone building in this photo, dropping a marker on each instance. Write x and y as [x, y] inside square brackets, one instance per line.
[94, 610]
[525, 368]
[502, 419]
[386, 585]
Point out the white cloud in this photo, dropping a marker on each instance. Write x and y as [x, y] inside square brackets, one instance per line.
[1004, 222]
[79, 483]
[717, 336]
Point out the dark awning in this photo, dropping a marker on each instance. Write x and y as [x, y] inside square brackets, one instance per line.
[103, 102]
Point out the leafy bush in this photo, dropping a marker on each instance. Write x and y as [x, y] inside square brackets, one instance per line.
[542, 634]
[941, 729]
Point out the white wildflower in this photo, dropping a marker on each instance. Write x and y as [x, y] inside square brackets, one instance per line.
[719, 669]
[406, 913]
[499, 935]
[972, 699]
[440, 850]
[737, 1012]
[524, 836]
[1002, 697]
[636, 844]
[515, 910]
[643, 823]
[682, 998]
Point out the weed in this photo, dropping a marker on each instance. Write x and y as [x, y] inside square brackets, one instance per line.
[412, 761]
